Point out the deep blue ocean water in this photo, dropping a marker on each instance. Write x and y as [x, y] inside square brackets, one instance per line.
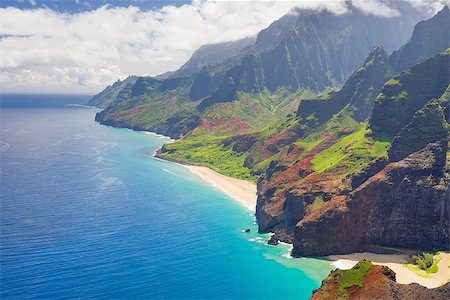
[87, 212]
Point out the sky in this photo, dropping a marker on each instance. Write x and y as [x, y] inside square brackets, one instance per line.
[81, 46]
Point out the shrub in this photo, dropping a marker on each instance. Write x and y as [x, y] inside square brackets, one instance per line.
[423, 260]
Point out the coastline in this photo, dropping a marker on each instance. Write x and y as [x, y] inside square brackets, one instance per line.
[245, 193]
[396, 263]
[240, 190]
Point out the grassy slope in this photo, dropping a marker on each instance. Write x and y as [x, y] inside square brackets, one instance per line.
[352, 277]
[205, 150]
[352, 152]
[263, 113]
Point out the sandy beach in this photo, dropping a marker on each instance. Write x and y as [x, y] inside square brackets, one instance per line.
[242, 191]
[396, 262]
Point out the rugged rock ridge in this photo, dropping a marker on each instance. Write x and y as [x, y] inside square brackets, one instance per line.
[384, 204]
[294, 52]
[315, 54]
[389, 209]
[368, 281]
[359, 92]
[408, 92]
[334, 160]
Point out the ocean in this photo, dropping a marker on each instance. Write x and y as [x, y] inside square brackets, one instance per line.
[87, 212]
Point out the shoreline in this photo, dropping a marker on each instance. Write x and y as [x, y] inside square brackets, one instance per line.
[245, 193]
[240, 190]
[396, 263]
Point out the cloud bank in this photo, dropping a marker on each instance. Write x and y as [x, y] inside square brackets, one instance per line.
[43, 50]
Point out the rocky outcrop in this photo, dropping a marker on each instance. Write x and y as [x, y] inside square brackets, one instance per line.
[290, 190]
[390, 209]
[363, 175]
[382, 204]
[241, 143]
[368, 281]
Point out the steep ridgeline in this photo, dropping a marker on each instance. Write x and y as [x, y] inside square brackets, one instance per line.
[222, 56]
[368, 281]
[212, 55]
[320, 51]
[429, 37]
[209, 63]
[161, 106]
[301, 53]
[357, 93]
[392, 199]
[119, 91]
[317, 162]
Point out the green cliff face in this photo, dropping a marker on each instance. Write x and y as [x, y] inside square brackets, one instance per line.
[395, 196]
[408, 92]
[317, 53]
[358, 93]
[333, 153]
[427, 125]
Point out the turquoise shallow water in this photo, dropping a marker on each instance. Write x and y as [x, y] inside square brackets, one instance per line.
[86, 212]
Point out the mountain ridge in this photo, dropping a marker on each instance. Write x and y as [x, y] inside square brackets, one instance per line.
[316, 157]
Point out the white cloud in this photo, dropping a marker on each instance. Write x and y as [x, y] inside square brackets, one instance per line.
[432, 6]
[43, 50]
[376, 8]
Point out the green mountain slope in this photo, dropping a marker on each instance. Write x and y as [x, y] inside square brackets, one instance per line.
[320, 51]
[332, 153]
[358, 92]
[119, 91]
[303, 50]
[408, 92]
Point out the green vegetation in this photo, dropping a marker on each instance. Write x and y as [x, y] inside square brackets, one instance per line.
[308, 143]
[427, 125]
[118, 92]
[352, 152]
[423, 261]
[352, 277]
[397, 104]
[392, 82]
[358, 93]
[317, 204]
[206, 151]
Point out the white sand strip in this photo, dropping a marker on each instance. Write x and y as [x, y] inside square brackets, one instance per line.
[242, 191]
